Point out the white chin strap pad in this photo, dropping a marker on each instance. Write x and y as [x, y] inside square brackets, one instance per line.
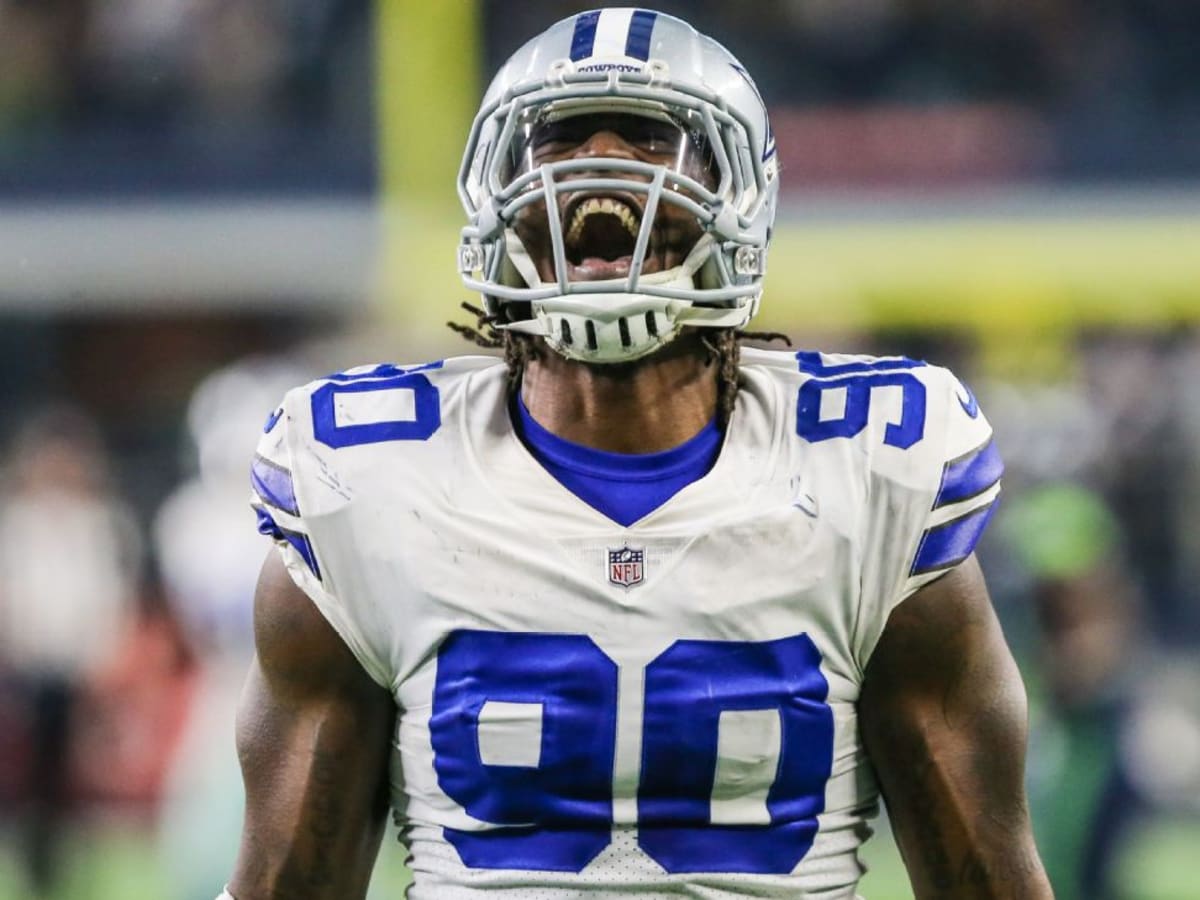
[620, 326]
[616, 328]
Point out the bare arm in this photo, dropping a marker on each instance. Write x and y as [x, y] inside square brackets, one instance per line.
[944, 721]
[314, 738]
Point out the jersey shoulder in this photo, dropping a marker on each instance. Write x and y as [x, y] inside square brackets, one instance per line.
[913, 437]
[331, 437]
[900, 412]
[375, 404]
[341, 448]
[903, 418]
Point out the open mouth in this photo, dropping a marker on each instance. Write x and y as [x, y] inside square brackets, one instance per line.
[601, 235]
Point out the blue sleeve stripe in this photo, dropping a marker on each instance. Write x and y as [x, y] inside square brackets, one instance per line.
[949, 544]
[300, 542]
[584, 38]
[641, 27]
[273, 483]
[267, 524]
[969, 475]
[304, 547]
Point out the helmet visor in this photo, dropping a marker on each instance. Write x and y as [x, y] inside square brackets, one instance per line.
[550, 134]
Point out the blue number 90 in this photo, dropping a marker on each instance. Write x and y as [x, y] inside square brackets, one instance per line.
[553, 811]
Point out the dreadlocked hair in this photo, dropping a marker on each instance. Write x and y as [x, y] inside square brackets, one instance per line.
[724, 347]
[518, 349]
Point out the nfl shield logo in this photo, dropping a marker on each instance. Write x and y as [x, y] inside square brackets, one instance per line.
[625, 566]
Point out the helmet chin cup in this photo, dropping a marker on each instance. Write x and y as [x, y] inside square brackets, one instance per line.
[620, 328]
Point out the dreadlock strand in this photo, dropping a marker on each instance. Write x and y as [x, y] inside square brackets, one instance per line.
[766, 337]
[478, 313]
[519, 349]
[728, 355]
[484, 332]
[480, 338]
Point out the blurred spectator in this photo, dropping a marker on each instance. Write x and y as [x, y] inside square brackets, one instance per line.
[1091, 647]
[40, 55]
[207, 63]
[210, 555]
[1057, 88]
[185, 95]
[1143, 462]
[1094, 568]
[1123, 418]
[69, 554]
[135, 709]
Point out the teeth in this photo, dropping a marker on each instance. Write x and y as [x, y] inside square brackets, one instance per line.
[605, 205]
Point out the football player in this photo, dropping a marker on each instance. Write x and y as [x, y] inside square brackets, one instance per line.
[631, 612]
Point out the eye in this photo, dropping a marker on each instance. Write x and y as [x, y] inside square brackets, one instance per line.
[651, 136]
[555, 137]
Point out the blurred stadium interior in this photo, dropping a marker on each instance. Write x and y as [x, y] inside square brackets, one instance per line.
[204, 201]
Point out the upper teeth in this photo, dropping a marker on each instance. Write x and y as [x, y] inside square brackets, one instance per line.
[601, 205]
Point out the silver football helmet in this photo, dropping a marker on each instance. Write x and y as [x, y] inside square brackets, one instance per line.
[594, 275]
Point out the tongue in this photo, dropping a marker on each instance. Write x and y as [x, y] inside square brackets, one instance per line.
[596, 268]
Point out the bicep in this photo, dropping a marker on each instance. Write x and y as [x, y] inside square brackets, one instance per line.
[314, 739]
[943, 717]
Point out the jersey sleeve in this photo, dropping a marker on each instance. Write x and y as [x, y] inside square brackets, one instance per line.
[930, 504]
[299, 500]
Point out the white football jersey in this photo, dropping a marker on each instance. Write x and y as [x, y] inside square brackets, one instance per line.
[666, 709]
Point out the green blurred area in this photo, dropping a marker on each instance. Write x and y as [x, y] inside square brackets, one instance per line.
[118, 862]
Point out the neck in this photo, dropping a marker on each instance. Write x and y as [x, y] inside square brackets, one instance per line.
[646, 406]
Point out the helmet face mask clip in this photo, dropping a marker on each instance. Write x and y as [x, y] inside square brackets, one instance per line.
[617, 201]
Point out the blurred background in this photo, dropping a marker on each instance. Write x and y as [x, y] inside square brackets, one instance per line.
[203, 202]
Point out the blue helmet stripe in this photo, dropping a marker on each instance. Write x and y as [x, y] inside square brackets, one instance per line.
[585, 35]
[641, 27]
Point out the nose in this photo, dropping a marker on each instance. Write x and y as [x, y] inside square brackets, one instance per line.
[605, 142]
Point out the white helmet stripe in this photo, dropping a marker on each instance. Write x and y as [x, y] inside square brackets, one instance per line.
[612, 32]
